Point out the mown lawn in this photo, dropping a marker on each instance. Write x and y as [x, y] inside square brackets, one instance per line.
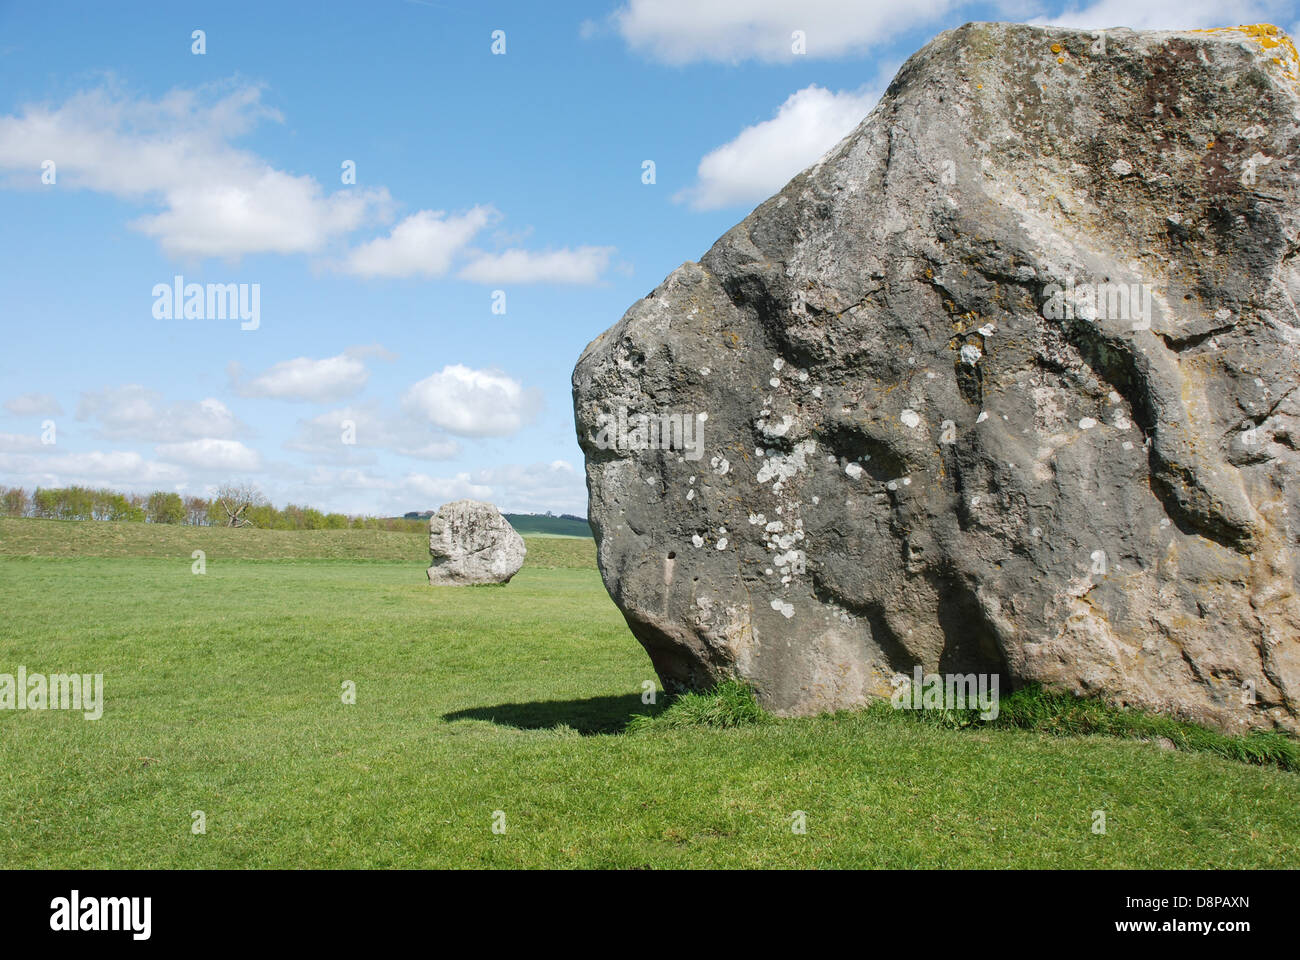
[223, 694]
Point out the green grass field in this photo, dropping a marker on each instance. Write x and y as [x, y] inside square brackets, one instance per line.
[223, 694]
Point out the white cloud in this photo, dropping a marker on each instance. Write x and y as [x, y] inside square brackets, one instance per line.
[524, 488]
[303, 378]
[763, 157]
[1162, 14]
[537, 487]
[21, 443]
[33, 405]
[137, 413]
[322, 437]
[93, 469]
[212, 198]
[210, 454]
[472, 403]
[727, 31]
[581, 265]
[216, 199]
[436, 491]
[421, 245]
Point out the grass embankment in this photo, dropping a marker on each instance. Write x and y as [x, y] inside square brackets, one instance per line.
[83, 538]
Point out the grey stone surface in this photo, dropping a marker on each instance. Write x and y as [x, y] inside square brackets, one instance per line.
[915, 454]
[470, 542]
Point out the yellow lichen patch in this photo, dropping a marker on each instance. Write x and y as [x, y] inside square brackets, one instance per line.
[1269, 37]
[1056, 48]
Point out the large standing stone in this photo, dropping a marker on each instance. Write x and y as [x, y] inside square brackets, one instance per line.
[470, 542]
[1007, 382]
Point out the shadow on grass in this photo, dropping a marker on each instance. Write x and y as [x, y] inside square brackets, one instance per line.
[589, 717]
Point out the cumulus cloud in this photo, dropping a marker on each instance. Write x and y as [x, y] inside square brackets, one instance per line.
[423, 244]
[95, 468]
[34, 405]
[472, 403]
[728, 31]
[19, 443]
[302, 378]
[133, 412]
[209, 454]
[341, 435]
[440, 490]
[1162, 14]
[538, 487]
[212, 198]
[762, 158]
[581, 266]
[526, 488]
[176, 153]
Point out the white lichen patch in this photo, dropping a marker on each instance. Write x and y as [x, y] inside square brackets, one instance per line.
[784, 466]
[773, 430]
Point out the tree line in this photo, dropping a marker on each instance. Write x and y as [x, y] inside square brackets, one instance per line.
[234, 505]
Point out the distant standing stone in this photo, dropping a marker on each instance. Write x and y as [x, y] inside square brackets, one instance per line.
[470, 542]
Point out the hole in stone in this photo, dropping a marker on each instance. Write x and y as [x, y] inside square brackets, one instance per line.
[672, 555]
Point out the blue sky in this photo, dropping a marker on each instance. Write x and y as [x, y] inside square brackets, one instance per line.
[475, 172]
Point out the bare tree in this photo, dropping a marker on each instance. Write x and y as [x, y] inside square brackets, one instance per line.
[236, 499]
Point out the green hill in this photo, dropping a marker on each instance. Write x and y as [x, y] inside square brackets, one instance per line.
[539, 525]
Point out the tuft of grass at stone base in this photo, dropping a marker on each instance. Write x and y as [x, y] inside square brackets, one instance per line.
[729, 704]
[1062, 714]
[733, 703]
